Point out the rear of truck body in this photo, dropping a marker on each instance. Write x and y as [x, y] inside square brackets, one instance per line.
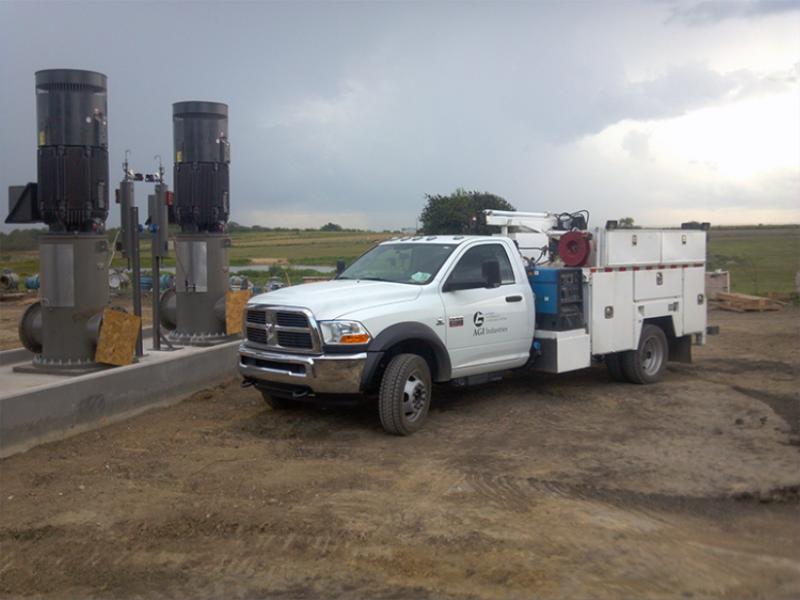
[634, 277]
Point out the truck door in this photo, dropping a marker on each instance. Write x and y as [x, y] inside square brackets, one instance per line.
[487, 329]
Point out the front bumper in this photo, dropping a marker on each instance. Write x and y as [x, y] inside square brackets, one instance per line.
[323, 374]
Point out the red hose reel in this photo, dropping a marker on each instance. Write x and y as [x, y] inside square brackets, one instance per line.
[574, 249]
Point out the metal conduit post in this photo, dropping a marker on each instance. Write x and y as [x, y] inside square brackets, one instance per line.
[159, 228]
[137, 276]
[156, 298]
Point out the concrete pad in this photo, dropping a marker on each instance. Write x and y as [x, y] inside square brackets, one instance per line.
[37, 407]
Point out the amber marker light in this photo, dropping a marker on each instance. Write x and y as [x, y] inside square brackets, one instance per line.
[361, 338]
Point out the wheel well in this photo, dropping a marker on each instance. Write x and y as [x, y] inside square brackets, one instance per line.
[665, 323]
[411, 346]
[680, 348]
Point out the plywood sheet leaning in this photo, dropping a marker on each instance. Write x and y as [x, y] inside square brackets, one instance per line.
[234, 310]
[117, 343]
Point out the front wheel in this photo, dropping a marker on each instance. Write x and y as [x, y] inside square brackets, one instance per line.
[648, 362]
[405, 394]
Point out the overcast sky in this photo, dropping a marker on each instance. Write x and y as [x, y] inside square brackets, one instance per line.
[350, 112]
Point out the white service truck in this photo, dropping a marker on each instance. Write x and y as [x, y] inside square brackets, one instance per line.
[467, 309]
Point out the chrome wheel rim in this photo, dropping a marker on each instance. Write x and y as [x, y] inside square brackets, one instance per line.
[415, 397]
[652, 356]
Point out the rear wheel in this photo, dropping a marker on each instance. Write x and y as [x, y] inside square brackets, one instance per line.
[614, 365]
[648, 362]
[405, 394]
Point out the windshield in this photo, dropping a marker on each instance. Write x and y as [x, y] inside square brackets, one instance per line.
[416, 264]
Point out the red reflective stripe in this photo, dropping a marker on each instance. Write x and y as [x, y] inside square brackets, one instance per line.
[646, 268]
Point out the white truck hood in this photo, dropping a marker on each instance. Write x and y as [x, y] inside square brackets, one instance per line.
[335, 299]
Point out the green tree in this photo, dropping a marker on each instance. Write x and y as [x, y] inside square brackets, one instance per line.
[234, 227]
[451, 215]
[331, 227]
[21, 239]
[626, 223]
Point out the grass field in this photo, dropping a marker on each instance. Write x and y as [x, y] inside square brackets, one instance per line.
[303, 247]
[760, 259]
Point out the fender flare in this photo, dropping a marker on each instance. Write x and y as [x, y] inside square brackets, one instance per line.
[400, 332]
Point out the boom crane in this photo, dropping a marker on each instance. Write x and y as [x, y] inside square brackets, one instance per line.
[565, 231]
[534, 222]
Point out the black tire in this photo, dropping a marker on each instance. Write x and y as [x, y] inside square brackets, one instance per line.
[277, 403]
[405, 394]
[614, 365]
[648, 362]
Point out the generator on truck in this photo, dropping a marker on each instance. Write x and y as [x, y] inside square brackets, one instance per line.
[465, 310]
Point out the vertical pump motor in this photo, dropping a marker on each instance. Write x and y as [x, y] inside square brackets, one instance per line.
[72, 125]
[202, 156]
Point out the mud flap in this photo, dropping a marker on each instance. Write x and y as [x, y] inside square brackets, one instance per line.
[680, 349]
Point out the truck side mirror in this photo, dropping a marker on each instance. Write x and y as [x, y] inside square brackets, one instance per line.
[491, 272]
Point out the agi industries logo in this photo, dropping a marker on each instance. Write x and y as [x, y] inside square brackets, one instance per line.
[479, 319]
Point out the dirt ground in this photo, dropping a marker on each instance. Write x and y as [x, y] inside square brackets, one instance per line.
[569, 486]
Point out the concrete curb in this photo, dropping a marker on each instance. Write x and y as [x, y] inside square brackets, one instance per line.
[63, 409]
[20, 355]
[17, 355]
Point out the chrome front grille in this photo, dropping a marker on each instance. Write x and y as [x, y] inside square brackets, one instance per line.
[257, 316]
[295, 339]
[257, 335]
[282, 328]
[287, 319]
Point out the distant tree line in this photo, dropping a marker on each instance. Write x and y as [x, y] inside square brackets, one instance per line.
[627, 223]
[21, 239]
[234, 227]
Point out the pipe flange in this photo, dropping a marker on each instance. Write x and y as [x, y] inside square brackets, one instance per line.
[30, 328]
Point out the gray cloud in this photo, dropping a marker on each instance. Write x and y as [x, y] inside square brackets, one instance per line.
[716, 11]
[359, 109]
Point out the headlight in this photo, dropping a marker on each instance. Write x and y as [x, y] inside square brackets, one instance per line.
[344, 332]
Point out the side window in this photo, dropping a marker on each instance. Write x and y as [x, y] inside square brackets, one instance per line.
[470, 266]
